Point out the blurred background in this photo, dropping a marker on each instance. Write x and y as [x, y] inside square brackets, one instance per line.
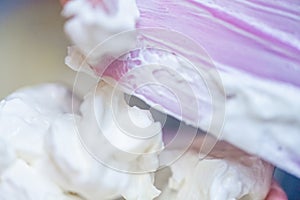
[32, 44]
[32, 51]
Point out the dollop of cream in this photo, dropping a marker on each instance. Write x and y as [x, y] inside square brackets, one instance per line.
[96, 25]
[43, 133]
[216, 178]
[50, 150]
[80, 168]
[22, 181]
[25, 118]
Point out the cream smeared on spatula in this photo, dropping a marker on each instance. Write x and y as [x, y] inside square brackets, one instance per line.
[255, 79]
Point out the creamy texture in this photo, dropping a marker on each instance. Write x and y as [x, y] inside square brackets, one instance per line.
[217, 179]
[25, 118]
[22, 181]
[62, 166]
[90, 25]
[7, 155]
[52, 148]
[27, 114]
[264, 110]
[256, 46]
[261, 40]
[262, 118]
[81, 173]
[59, 163]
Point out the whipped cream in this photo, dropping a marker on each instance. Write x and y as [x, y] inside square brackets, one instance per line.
[7, 155]
[58, 160]
[25, 117]
[55, 146]
[94, 23]
[21, 181]
[216, 179]
[83, 170]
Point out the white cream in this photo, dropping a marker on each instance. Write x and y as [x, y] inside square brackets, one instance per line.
[49, 151]
[217, 179]
[21, 181]
[25, 117]
[7, 155]
[79, 172]
[58, 165]
[262, 117]
[53, 154]
[92, 24]
[257, 112]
